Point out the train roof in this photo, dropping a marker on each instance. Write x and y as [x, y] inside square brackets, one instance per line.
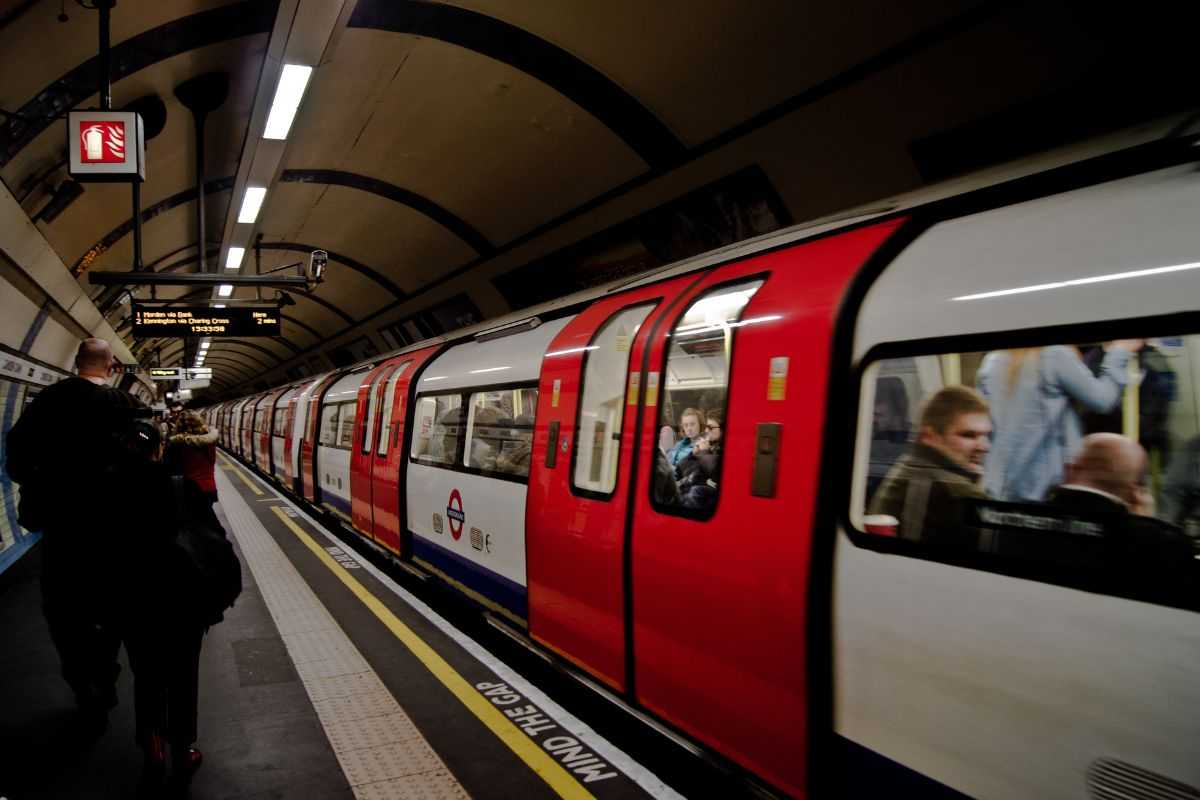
[525, 318]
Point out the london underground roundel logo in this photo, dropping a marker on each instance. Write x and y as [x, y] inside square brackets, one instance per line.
[454, 512]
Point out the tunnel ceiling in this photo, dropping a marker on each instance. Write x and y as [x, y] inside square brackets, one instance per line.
[444, 142]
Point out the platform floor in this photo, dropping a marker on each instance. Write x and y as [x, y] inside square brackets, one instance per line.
[326, 680]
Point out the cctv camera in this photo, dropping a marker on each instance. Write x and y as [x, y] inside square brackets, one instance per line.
[316, 265]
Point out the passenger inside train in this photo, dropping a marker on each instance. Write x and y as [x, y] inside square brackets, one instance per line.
[1061, 455]
[696, 394]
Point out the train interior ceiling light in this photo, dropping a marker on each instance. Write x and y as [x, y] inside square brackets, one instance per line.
[288, 93]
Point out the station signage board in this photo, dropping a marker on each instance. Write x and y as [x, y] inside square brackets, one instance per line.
[106, 146]
[180, 373]
[235, 321]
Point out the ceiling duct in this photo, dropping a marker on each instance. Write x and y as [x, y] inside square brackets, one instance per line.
[201, 95]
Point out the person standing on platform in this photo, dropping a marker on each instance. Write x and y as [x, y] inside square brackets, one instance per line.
[55, 452]
[150, 599]
[192, 453]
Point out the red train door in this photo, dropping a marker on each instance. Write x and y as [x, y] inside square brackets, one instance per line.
[362, 449]
[720, 558]
[578, 482]
[289, 436]
[386, 467]
[307, 462]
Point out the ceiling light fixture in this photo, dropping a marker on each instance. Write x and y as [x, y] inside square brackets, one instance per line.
[288, 93]
[251, 202]
[225, 290]
[233, 259]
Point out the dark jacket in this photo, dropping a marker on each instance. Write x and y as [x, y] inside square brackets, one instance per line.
[925, 491]
[1141, 555]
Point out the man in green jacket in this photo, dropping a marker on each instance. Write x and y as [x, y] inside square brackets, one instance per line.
[924, 490]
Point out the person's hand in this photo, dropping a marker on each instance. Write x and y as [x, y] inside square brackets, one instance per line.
[1143, 502]
[1132, 345]
[702, 445]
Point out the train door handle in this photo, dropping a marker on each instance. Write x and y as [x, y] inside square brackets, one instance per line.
[766, 458]
[552, 446]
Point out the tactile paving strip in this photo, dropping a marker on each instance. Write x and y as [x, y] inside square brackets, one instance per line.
[379, 749]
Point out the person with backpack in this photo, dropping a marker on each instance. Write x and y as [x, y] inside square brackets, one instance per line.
[55, 452]
[160, 601]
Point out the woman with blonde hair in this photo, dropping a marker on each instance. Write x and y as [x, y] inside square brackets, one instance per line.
[1037, 430]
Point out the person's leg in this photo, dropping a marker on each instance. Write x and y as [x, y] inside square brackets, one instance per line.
[149, 705]
[183, 699]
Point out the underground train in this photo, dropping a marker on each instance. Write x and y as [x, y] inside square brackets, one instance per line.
[761, 614]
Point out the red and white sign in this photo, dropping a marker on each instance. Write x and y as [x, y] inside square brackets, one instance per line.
[454, 513]
[106, 146]
[101, 142]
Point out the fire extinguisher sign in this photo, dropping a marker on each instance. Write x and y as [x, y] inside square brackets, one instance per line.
[106, 146]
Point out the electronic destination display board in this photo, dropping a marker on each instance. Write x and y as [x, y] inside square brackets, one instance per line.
[150, 321]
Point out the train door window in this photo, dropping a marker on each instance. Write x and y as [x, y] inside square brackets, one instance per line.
[500, 431]
[368, 426]
[280, 423]
[695, 377]
[329, 425]
[438, 421]
[389, 398]
[1076, 463]
[602, 401]
[346, 425]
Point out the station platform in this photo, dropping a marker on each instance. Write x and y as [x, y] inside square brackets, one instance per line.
[326, 680]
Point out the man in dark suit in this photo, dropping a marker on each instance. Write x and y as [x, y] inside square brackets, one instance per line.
[55, 452]
[1144, 555]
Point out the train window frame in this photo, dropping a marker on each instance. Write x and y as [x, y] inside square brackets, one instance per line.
[761, 279]
[425, 460]
[651, 305]
[335, 409]
[346, 407]
[468, 428]
[852, 463]
[384, 439]
[368, 422]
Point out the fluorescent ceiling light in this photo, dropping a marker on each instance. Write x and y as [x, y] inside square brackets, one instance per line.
[225, 290]
[234, 259]
[1112, 276]
[292, 81]
[205, 345]
[251, 203]
[218, 305]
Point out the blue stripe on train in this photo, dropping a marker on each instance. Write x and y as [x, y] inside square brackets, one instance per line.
[863, 772]
[341, 504]
[493, 586]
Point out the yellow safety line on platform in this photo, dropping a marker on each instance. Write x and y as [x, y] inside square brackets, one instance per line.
[231, 467]
[537, 759]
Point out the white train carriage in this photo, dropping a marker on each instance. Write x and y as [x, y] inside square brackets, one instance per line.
[468, 473]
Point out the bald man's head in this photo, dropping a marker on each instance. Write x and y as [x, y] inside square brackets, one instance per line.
[94, 358]
[1111, 463]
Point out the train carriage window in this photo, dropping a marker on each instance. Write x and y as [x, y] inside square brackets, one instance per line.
[368, 420]
[690, 430]
[389, 398]
[438, 423]
[280, 422]
[346, 425]
[500, 430]
[602, 403]
[329, 425]
[1078, 461]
